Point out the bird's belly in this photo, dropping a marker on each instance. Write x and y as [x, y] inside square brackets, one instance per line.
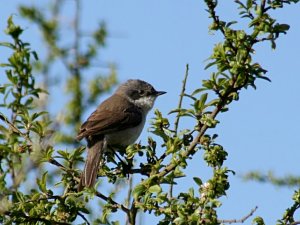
[125, 137]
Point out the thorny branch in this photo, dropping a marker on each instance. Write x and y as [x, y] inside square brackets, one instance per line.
[242, 220]
[295, 223]
[97, 193]
[290, 213]
[14, 128]
[110, 200]
[176, 123]
[219, 106]
[83, 217]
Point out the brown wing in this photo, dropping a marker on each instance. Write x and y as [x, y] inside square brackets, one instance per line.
[111, 117]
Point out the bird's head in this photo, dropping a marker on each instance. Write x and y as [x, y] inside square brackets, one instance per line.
[139, 92]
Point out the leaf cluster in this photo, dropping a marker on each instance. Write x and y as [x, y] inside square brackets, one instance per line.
[77, 58]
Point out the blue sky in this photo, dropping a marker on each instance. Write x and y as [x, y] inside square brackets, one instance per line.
[154, 40]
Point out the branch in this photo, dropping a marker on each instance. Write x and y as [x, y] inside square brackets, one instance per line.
[83, 217]
[56, 163]
[290, 213]
[110, 200]
[14, 128]
[242, 220]
[176, 123]
[26, 218]
[295, 223]
[181, 98]
[263, 6]
[193, 144]
[223, 102]
[129, 196]
[98, 194]
[132, 213]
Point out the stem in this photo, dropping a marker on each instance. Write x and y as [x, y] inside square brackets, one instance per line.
[14, 128]
[176, 123]
[181, 98]
[129, 196]
[242, 220]
[110, 200]
[194, 143]
[132, 214]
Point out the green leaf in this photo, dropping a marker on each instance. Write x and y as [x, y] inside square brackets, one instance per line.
[64, 154]
[179, 220]
[230, 23]
[20, 196]
[184, 112]
[35, 55]
[208, 84]
[190, 96]
[42, 183]
[200, 104]
[12, 29]
[203, 98]
[38, 114]
[5, 65]
[155, 189]
[213, 102]
[198, 91]
[282, 27]
[198, 181]
[138, 191]
[258, 221]
[178, 173]
[12, 79]
[7, 44]
[210, 65]
[249, 4]
[2, 90]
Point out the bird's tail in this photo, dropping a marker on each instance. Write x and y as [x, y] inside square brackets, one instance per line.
[94, 156]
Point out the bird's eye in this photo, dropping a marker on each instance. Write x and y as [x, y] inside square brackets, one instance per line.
[141, 92]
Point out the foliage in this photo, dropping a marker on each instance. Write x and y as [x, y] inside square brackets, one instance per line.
[77, 57]
[26, 132]
[287, 180]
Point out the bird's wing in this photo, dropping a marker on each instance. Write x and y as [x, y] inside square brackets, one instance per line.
[111, 117]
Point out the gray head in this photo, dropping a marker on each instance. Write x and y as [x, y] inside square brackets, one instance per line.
[140, 93]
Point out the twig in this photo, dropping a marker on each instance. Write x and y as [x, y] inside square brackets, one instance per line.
[291, 212]
[242, 220]
[263, 6]
[67, 170]
[176, 123]
[25, 218]
[83, 217]
[132, 213]
[223, 102]
[171, 166]
[110, 200]
[139, 171]
[14, 128]
[295, 223]
[129, 196]
[54, 162]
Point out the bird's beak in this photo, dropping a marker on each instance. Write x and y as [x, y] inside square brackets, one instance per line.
[160, 93]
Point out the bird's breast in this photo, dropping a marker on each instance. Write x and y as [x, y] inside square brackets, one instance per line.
[125, 137]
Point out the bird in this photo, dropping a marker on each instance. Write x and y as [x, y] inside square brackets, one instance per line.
[117, 121]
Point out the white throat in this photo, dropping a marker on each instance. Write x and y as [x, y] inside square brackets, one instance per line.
[145, 103]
